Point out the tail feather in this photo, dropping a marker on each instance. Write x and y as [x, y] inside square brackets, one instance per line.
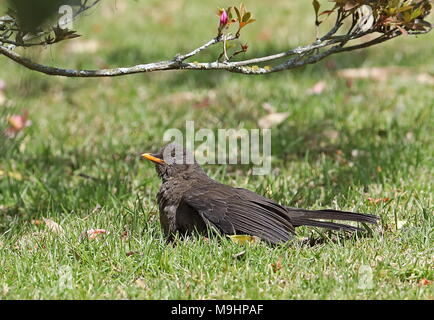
[303, 217]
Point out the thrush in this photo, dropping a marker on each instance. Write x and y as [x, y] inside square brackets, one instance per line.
[189, 201]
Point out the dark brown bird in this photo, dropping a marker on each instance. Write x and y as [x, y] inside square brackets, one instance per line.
[191, 201]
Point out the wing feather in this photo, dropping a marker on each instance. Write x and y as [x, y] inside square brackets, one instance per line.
[237, 211]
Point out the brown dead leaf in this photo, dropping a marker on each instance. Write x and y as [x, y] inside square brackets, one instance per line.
[425, 78]
[125, 235]
[409, 136]
[199, 99]
[276, 266]
[141, 283]
[53, 226]
[94, 233]
[380, 74]
[425, 282]
[318, 88]
[36, 222]
[332, 134]
[272, 120]
[5, 290]
[206, 100]
[400, 224]
[269, 107]
[130, 253]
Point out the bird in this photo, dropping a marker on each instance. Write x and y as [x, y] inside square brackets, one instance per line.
[190, 202]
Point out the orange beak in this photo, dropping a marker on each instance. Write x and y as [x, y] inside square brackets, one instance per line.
[150, 157]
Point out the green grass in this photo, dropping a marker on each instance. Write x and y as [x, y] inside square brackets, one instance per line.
[97, 126]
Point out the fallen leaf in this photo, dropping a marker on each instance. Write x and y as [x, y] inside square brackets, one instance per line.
[130, 253]
[409, 136]
[355, 153]
[53, 226]
[199, 99]
[318, 88]
[204, 103]
[141, 283]
[239, 255]
[125, 234]
[94, 233]
[382, 74]
[269, 107]
[378, 74]
[376, 201]
[272, 120]
[36, 222]
[425, 78]
[276, 266]
[243, 239]
[5, 290]
[400, 224]
[332, 134]
[425, 282]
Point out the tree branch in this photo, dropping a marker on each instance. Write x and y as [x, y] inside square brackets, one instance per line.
[238, 67]
[323, 47]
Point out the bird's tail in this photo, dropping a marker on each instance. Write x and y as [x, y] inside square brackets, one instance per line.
[303, 217]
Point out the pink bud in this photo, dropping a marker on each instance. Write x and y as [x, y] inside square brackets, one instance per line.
[224, 18]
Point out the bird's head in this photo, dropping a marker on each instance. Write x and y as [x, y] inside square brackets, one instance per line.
[173, 160]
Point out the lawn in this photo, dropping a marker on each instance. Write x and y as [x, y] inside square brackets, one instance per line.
[364, 145]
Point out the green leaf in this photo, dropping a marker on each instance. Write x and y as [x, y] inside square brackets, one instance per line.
[247, 17]
[316, 6]
[238, 13]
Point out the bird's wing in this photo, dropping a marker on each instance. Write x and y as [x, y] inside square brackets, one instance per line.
[240, 211]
